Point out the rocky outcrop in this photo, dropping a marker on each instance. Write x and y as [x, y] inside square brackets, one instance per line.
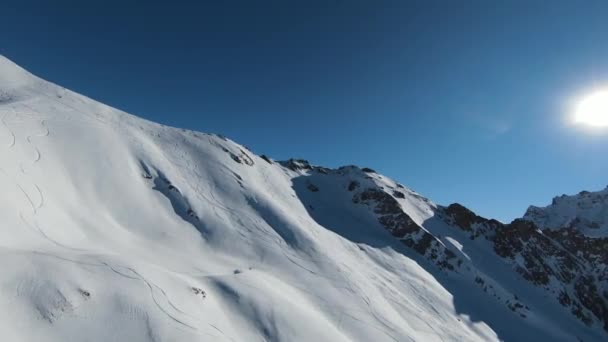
[400, 225]
[303, 165]
[461, 217]
[542, 257]
[564, 262]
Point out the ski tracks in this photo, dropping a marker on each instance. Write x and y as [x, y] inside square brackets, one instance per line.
[28, 139]
[12, 138]
[26, 185]
[158, 295]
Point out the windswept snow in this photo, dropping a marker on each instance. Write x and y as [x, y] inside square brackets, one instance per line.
[115, 228]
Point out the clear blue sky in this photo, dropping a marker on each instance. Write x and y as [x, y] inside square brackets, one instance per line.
[462, 101]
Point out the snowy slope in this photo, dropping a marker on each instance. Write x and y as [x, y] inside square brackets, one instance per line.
[114, 228]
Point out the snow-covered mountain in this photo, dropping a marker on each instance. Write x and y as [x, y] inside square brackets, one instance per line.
[114, 228]
[586, 211]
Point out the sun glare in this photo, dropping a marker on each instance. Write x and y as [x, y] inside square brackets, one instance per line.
[593, 110]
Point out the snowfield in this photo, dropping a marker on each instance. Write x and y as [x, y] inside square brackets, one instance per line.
[114, 228]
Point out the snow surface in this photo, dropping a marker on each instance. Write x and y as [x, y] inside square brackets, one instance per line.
[115, 228]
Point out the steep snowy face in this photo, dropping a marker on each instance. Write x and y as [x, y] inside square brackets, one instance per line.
[586, 211]
[117, 228]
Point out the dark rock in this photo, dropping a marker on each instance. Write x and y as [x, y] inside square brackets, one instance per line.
[462, 216]
[458, 215]
[246, 158]
[297, 164]
[312, 187]
[197, 291]
[236, 158]
[192, 214]
[392, 217]
[398, 194]
[353, 185]
[587, 292]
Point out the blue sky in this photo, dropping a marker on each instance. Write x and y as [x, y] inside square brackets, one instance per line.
[462, 101]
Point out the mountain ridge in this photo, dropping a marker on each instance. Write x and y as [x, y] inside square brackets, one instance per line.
[168, 234]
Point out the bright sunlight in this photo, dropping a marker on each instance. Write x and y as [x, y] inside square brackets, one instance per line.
[593, 110]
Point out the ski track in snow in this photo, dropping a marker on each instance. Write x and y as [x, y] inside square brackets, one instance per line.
[37, 228]
[12, 142]
[36, 207]
[28, 139]
[151, 288]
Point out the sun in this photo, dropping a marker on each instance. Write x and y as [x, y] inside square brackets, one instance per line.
[592, 110]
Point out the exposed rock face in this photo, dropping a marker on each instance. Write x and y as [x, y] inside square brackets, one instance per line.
[594, 250]
[398, 194]
[297, 164]
[401, 226]
[266, 158]
[564, 261]
[353, 185]
[312, 187]
[591, 287]
[458, 215]
[543, 257]
[302, 165]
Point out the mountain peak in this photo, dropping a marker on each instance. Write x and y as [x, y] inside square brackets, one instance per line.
[586, 211]
[11, 72]
[14, 81]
